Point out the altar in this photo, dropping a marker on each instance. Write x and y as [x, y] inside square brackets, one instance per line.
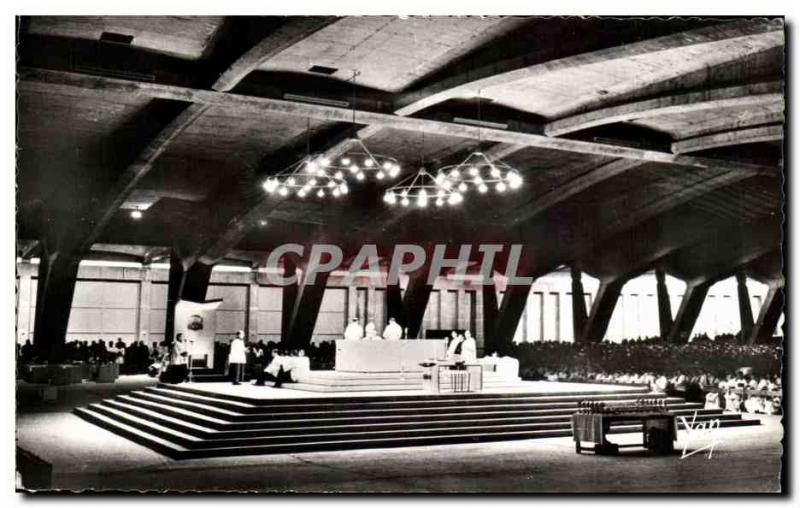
[387, 355]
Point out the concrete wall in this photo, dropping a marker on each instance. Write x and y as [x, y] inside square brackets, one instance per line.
[130, 302]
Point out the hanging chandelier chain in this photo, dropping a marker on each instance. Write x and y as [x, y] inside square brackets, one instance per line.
[479, 119]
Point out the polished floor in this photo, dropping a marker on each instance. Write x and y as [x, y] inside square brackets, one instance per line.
[746, 459]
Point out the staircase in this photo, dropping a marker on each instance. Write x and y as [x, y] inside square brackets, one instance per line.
[184, 422]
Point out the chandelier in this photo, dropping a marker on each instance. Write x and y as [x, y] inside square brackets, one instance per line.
[421, 188]
[479, 171]
[312, 175]
[359, 162]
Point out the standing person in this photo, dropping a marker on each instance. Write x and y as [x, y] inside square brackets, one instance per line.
[393, 331]
[469, 348]
[177, 370]
[259, 363]
[453, 349]
[237, 357]
[353, 331]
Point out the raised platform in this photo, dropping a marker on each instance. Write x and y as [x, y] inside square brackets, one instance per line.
[218, 419]
[331, 381]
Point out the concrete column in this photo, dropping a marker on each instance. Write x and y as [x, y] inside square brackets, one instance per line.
[305, 312]
[768, 315]
[352, 303]
[289, 297]
[510, 312]
[579, 316]
[145, 290]
[489, 306]
[745, 311]
[664, 305]
[692, 303]
[394, 304]
[463, 311]
[371, 307]
[415, 301]
[252, 307]
[58, 274]
[602, 310]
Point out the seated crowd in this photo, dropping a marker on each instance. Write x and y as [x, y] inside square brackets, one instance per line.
[133, 358]
[722, 372]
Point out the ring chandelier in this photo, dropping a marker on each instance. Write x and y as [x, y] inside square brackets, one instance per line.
[479, 171]
[421, 188]
[359, 162]
[310, 176]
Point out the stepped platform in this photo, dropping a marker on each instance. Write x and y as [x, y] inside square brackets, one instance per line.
[331, 381]
[218, 419]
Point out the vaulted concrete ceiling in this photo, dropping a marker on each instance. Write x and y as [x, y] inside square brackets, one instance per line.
[193, 113]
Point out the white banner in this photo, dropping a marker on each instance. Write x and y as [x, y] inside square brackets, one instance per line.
[198, 324]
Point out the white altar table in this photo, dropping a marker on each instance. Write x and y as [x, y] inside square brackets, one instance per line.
[387, 355]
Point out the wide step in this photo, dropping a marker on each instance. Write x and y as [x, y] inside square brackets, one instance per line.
[187, 422]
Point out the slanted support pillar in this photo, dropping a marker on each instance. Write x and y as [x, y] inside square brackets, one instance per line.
[578, 303]
[602, 310]
[415, 301]
[394, 304]
[745, 311]
[289, 296]
[768, 315]
[664, 306]
[305, 312]
[692, 303]
[55, 288]
[511, 308]
[188, 280]
[489, 294]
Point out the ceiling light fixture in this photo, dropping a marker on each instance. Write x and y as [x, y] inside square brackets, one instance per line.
[136, 214]
[422, 190]
[482, 172]
[308, 176]
[313, 174]
[479, 170]
[358, 161]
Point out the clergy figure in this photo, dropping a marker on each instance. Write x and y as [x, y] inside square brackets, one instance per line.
[455, 341]
[469, 348]
[393, 331]
[353, 331]
[237, 357]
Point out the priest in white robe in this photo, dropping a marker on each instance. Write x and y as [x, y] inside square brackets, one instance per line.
[469, 348]
[237, 357]
[354, 331]
[393, 331]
